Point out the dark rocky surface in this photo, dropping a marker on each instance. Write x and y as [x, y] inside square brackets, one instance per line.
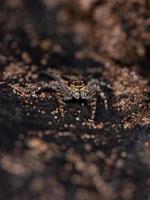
[44, 156]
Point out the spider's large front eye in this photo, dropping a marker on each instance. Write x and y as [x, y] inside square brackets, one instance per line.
[75, 84]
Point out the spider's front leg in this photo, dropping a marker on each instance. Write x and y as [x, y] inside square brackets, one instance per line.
[60, 102]
[45, 86]
[104, 84]
[102, 95]
[93, 107]
[93, 88]
[95, 85]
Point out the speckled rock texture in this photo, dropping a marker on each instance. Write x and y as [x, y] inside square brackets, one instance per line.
[45, 156]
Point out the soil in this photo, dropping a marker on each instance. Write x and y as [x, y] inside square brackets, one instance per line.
[46, 156]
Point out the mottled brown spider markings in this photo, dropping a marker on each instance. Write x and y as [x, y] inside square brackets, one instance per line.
[78, 89]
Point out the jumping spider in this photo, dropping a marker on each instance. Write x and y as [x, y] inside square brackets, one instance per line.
[78, 89]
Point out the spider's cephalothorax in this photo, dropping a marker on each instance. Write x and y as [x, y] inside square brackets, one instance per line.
[78, 89]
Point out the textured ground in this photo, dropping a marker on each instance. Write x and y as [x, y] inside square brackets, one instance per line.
[44, 156]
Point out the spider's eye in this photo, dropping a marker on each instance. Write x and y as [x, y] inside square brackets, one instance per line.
[75, 84]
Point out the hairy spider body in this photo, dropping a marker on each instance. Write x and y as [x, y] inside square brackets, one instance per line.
[78, 89]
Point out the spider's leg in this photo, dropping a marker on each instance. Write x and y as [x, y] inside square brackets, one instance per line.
[102, 95]
[58, 78]
[91, 95]
[60, 102]
[93, 107]
[95, 86]
[50, 85]
[62, 85]
[102, 83]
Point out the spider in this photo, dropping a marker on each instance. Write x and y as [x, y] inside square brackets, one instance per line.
[78, 89]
